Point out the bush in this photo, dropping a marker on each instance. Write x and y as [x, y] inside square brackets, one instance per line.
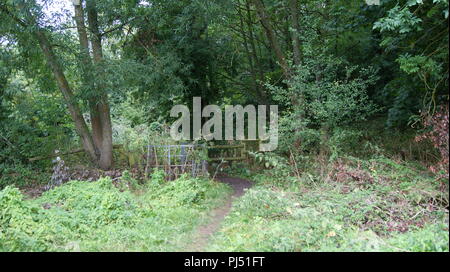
[324, 93]
[185, 190]
[158, 176]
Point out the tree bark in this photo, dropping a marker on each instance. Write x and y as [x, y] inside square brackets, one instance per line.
[87, 75]
[271, 36]
[105, 128]
[296, 44]
[75, 112]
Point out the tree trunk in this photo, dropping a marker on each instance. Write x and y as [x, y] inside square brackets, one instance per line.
[87, 75]
[247, 51]
[254, 52]
[275, 45]
[105, 127]
[297, 49]
[75, 112]
[99, 150]
[296, 44]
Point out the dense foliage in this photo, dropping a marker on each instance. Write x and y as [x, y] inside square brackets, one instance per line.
[375, 205]
[82, 216]
[362, 92]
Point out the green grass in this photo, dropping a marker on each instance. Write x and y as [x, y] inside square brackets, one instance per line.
[394, 207]
[358, 205]
[84, 216]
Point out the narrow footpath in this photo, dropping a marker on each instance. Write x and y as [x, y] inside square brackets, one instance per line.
[204, 232]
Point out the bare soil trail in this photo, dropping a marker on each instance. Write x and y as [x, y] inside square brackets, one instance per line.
[204, 232]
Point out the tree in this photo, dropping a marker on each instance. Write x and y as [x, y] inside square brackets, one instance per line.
[296, 44]
[415, 34]
[25, 18]
[98, 103]
[272, 37]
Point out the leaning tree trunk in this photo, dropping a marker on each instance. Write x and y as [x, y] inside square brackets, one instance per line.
[100, 150]
[74, 109]
[271, 36]
[275, 45]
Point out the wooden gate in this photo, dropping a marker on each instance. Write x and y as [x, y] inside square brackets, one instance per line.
[227, 153]
[233, 152]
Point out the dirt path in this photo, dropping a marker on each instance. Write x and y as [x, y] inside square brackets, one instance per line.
[204, 232]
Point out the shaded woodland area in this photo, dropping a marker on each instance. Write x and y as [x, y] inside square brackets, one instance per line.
[363, 153]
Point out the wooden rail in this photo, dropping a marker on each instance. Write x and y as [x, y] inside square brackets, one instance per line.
[242, 154]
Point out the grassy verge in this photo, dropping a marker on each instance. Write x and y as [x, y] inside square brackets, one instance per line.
[98, 216]
[372, 205]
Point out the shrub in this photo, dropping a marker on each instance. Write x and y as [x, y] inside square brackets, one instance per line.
[324, 93]
[91, 203]
[158, 176]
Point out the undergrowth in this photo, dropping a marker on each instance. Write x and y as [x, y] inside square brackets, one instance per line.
[21, 175]
[98, 216]
[359, 205]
